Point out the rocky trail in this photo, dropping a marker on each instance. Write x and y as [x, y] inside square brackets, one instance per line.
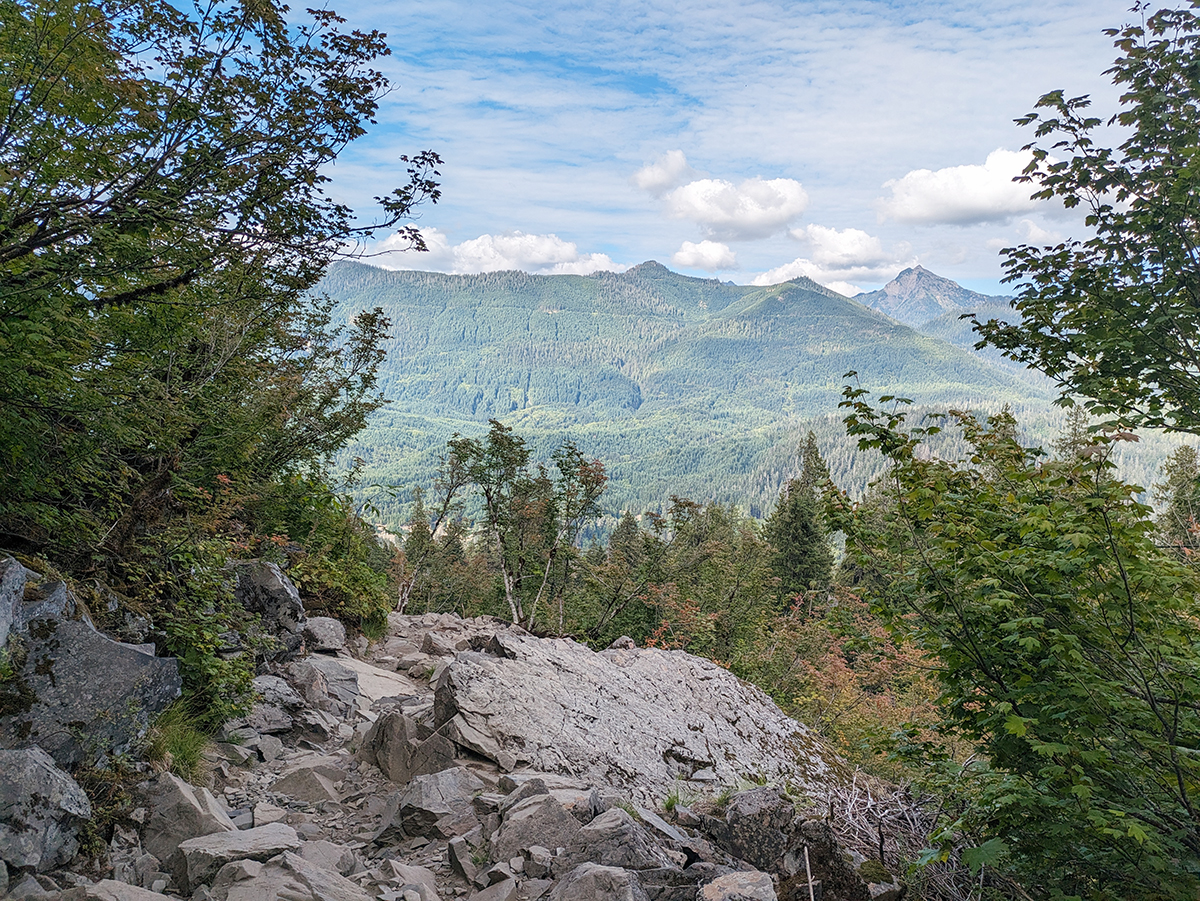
[450, 759]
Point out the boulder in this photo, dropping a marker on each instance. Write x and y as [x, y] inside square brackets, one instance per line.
[438, 805]
[111, 890]
[205, 855]
[307, 785]
[329, 856]
[84, 695]
[592, 882]
[501, 891]
[324, 635]
[41, 810]
[757, 825]
[178, 812]
[288, 876]
[741, 886]
[559, 707]
[264, 588]
[396, 745]
[613, 839]
[538, 821]
[13, 577]
[403, 878]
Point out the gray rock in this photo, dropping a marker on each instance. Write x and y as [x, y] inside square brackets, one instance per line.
[592, 882]
[288, 876]
[306, 785]
[263, 588]
[613, 839]
[178, 812]
[324, 635]
[562, 708]
[396, 745]
[42, 600]
[439, 804]
[409, 878]
[462, 858]
[41, 810]
[86, 696]
[741, 886]
[111, 890]
[329, 856]
[275, 691]
[30, 888]
[758, 823]
[13, 577]
[540, 820]
[269, 748]
[205, 855]
[501, 891]
[341, 680]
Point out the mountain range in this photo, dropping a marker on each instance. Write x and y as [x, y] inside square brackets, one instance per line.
[680, 385]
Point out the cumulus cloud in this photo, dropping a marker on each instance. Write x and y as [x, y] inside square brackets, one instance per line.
[839, 257]
[541, 254]
[669, 171]
[756, 208]
[707, 255]
[961, 195]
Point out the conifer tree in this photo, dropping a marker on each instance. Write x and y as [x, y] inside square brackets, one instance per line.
[796, 530]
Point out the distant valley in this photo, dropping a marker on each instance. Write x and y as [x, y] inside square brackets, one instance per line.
[680, 385]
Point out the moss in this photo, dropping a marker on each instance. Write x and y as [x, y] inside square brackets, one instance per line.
[872, 871]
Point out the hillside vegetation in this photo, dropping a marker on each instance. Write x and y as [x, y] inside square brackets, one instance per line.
[682, 385]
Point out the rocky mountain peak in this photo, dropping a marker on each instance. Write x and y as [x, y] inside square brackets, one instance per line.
[917, 296]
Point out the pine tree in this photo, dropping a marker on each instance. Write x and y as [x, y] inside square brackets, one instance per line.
[796, 530]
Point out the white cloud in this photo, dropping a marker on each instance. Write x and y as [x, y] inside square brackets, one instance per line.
[707, 255]
[961, 195]
[838, 258]
[669, 171]
[1035, 234]
[756, 208]
[541, 254]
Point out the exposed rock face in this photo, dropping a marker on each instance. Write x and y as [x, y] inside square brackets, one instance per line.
[263, 588]
[41, 809]
[558, 707]
[332, 807]
[86, 694]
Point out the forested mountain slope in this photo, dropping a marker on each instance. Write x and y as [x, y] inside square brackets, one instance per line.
[680, 385]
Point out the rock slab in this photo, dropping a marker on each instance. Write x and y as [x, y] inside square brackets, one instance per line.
[41, 809]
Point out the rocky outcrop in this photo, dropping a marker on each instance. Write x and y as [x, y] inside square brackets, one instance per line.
[264, 588]
[384, 779]
[41, 810]
[555, 706]
[75, 693]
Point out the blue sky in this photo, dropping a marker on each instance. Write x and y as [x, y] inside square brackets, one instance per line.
[750, 142]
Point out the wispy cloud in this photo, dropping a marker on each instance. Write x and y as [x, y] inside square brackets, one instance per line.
[669, 171]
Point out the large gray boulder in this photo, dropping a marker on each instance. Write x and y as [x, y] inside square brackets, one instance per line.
[398, 746]
[288, 876]
[82, 694]
[41, 810]
[324, 635]
[539, 821]
[205, 855]
[111, 890]
[178, 812]
[562, 708]
[264, 588]
[613, 839]
[742, 886]
[436, 805]
[592, 882]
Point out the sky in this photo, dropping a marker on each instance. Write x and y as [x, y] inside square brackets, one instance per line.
[750, 142]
